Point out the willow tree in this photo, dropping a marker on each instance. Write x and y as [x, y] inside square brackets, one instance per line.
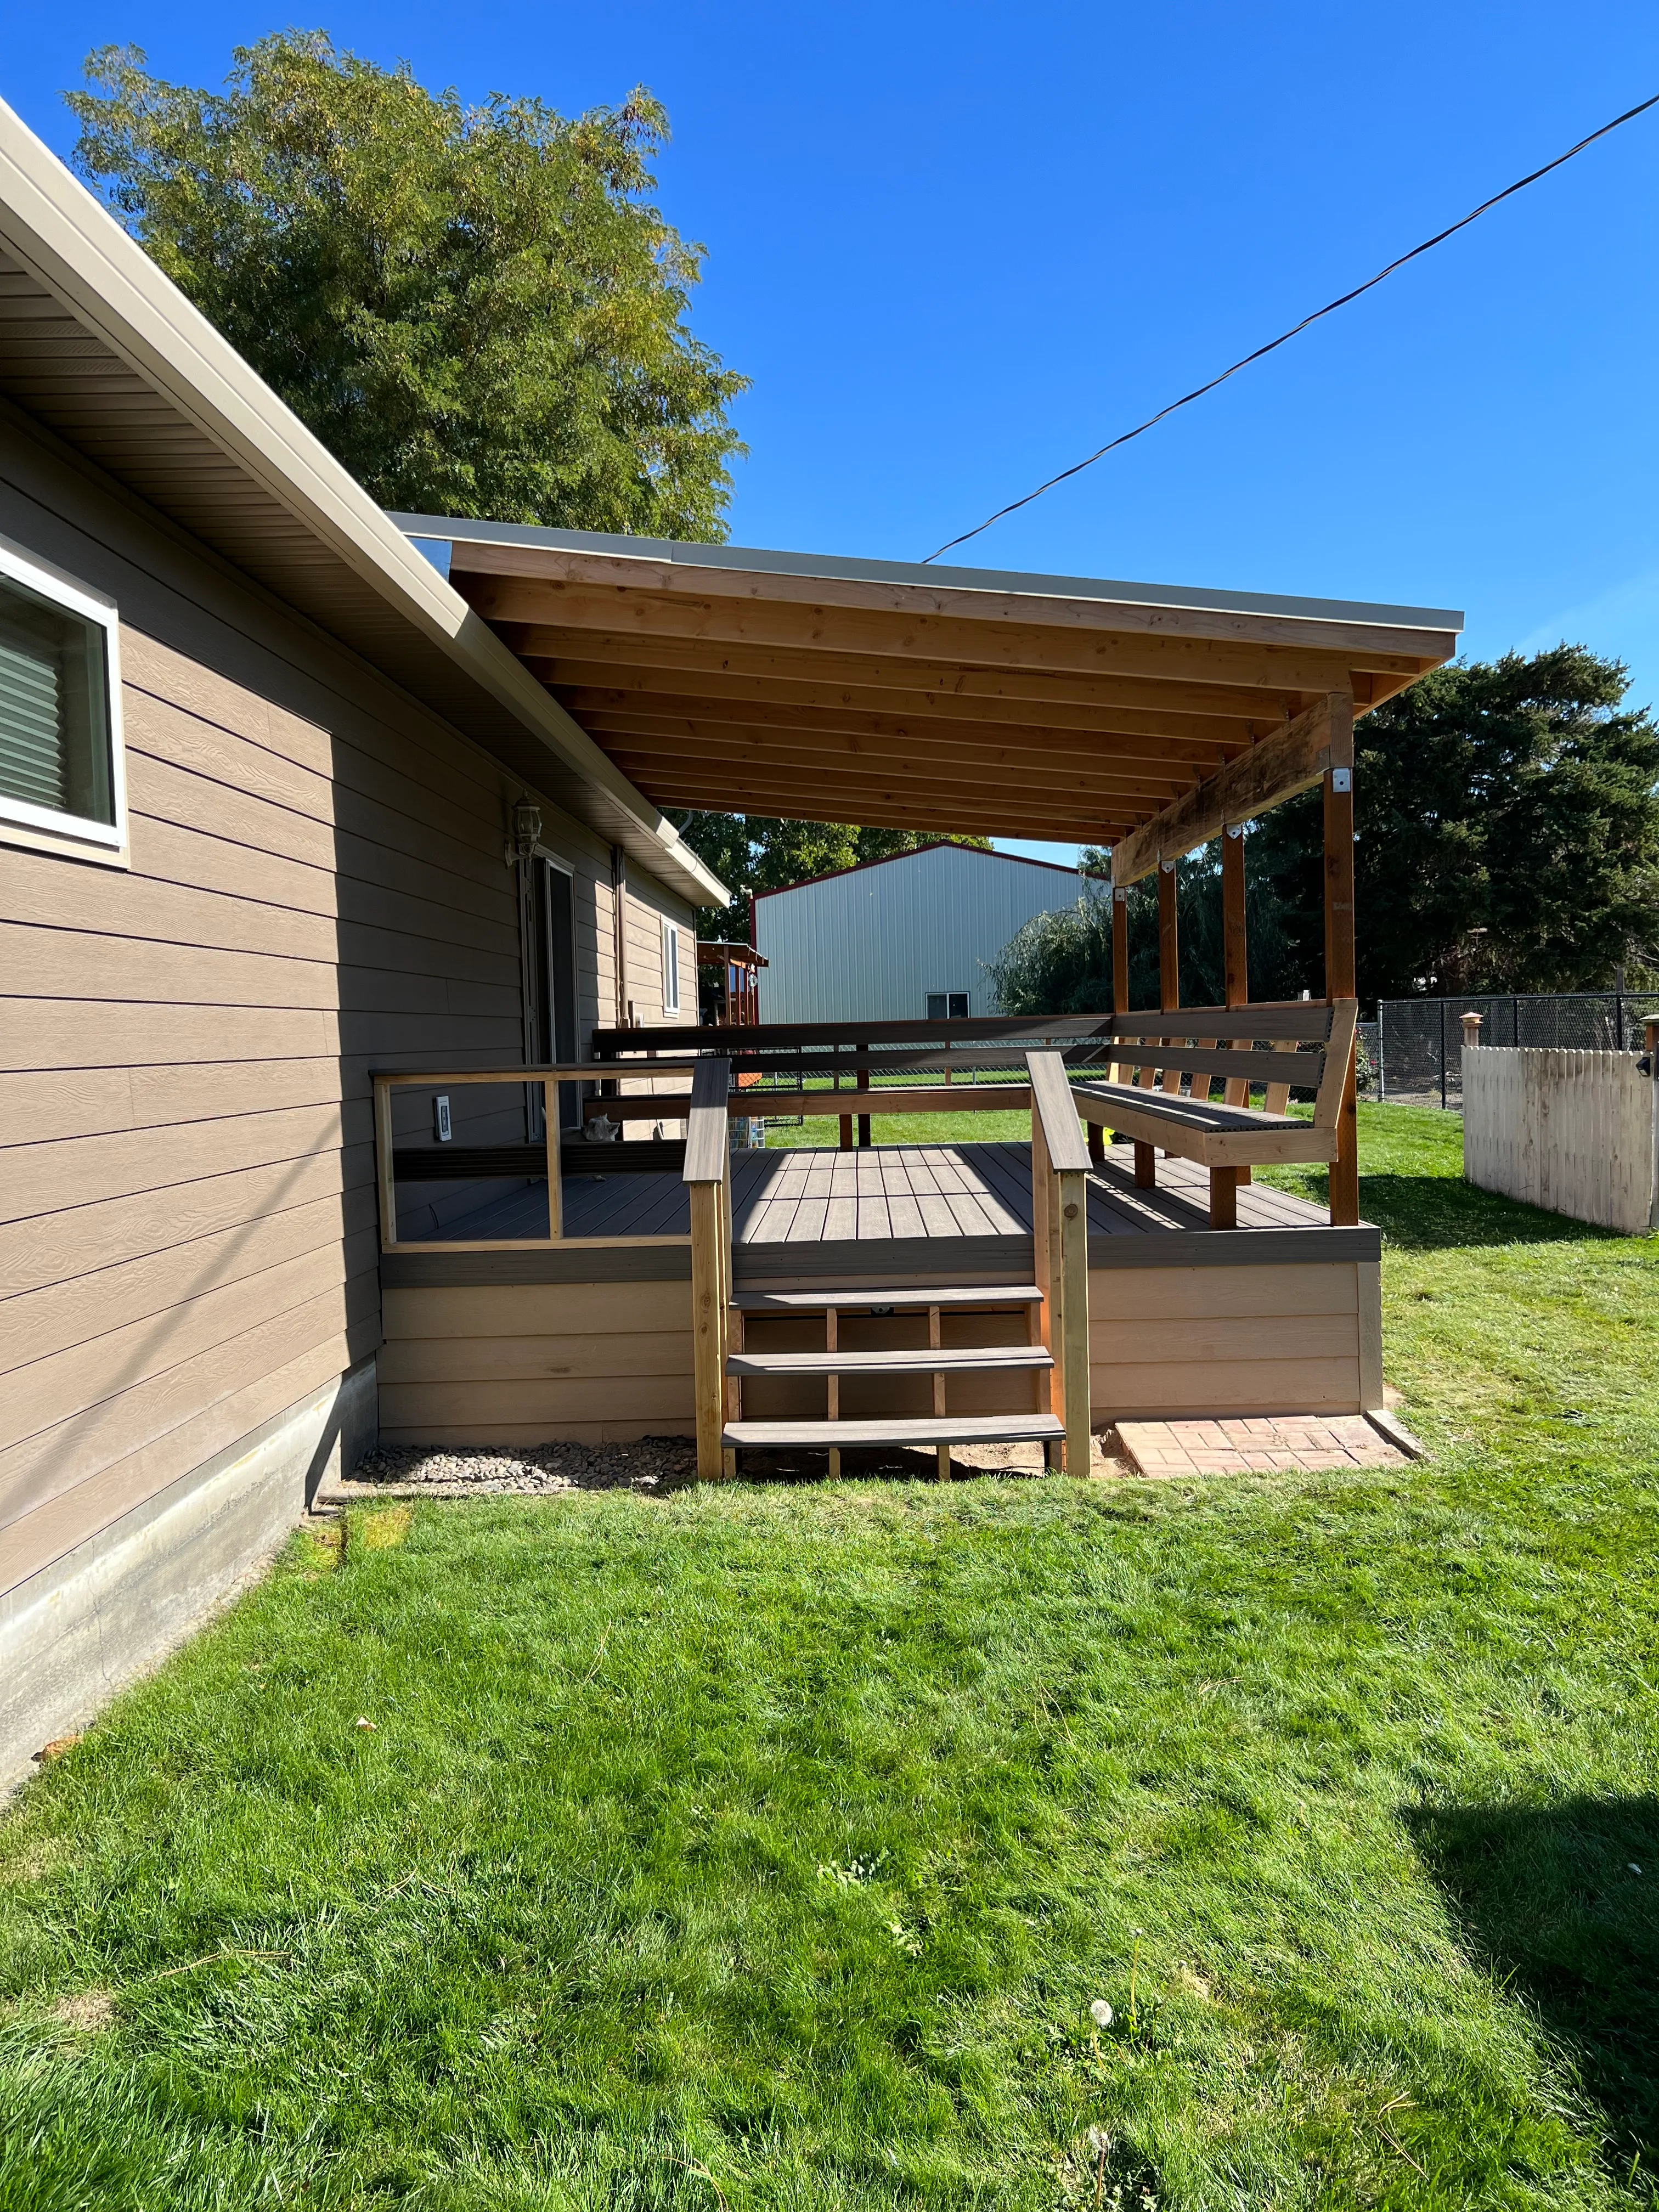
[477, 308]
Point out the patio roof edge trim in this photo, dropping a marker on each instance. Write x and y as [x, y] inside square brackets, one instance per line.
[747, 560]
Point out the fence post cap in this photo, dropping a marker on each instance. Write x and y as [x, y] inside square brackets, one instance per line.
[1471, 1028]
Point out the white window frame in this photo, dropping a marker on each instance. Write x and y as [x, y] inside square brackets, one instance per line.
[671, 966]
[44, 828]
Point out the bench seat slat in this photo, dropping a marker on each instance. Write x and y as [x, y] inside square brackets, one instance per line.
[1192, 1113]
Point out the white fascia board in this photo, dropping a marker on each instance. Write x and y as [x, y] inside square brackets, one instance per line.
[75, 247]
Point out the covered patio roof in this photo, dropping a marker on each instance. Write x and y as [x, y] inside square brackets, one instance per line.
[931, 698]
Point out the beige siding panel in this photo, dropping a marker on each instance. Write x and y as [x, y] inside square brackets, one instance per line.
[541, 1409]
[92, 1238]
[534, 1358]
[159, 731]
[1265, 1336]
[65, 963]
[1177, 1390]
[143, 907]
[71, 1385]
[45, 1466]
[158, 791]
[58, 1525]
[63, 1103]
[1137, 1294]
[92, 1032]
[1172, 1342]
[39, 1323]
[542, 1308]
[175, 680]
[50, 1177]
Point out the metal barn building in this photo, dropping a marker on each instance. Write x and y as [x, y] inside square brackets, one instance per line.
[901, 939]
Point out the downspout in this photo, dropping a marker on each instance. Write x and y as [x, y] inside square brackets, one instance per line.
[619, 918]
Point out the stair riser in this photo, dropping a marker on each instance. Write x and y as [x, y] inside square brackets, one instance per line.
[872, 1397]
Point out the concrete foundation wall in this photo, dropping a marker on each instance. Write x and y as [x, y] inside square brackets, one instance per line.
[80, 1629]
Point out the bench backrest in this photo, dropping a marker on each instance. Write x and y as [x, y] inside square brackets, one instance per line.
[1302, 1043]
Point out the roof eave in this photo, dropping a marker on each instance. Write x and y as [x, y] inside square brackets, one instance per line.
[72, 244]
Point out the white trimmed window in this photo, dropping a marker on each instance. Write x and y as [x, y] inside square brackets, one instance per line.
[62, 782]
[670, 967]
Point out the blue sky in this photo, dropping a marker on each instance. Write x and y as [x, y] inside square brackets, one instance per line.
[957, 246]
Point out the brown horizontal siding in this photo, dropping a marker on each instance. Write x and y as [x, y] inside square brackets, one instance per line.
[37, 1324]
[188, 1216]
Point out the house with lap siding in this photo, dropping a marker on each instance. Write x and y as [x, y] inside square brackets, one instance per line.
[275, 808]
[345, 930]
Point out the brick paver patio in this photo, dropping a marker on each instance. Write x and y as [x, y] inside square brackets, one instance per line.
[1263, 1444]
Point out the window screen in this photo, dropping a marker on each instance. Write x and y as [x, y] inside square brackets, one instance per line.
[54, 708]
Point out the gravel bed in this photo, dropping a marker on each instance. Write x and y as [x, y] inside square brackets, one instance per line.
[651, 1463]
[658, 1464]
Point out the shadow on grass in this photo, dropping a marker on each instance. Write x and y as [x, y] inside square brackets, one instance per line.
[1551, 1902]
[1439, 1213]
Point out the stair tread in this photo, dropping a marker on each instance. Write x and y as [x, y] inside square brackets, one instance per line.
[904, 1300]
[912, 1360]
[958, 1429]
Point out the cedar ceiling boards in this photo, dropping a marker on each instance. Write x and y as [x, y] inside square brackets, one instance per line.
[920, 698]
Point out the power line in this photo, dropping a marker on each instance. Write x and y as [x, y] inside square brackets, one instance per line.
[1187, 398]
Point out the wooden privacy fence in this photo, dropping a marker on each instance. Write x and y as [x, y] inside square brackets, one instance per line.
[1576, 1132]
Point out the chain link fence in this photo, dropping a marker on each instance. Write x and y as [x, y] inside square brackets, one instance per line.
[1418, 1052]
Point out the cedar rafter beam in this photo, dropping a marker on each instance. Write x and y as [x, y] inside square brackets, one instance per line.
[567, 572]
[586, 656]
[813, 776]
[1168, 658]
[583, 686]
[1218, 739]
[1291, 761]
[1107, 754]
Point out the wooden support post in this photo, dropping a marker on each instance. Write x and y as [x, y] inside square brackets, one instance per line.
[554, 1180]
[384, 1173]
[1119, 950]
[1224, 1196]
[1169, 954]
[1145, 1166]
[1235, 947]
[1097, 1144]
[832, 1385]
[1069, 1217]
[935, 1339]
[708, 1330]
[1040, 1270]
[846, 1133]
[861, 1081]
[1120, 965]
[1340, 964]
[1471, 1031]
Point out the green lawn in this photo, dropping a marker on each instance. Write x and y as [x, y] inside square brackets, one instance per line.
[767, 1847]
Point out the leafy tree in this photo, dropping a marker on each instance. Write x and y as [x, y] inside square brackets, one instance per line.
[475, 308]
[1061, 962]
[1508, 821]
[754, 852]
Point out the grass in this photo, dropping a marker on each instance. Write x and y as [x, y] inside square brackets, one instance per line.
[766, 1848]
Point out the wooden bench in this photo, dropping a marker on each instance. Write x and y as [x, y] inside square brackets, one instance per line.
[1302, 1045]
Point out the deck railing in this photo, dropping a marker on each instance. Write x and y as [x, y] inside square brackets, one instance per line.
[532, 1161]
[1059, 1245]
[708, 1176]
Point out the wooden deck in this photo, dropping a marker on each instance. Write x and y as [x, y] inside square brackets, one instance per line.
[951, 1208]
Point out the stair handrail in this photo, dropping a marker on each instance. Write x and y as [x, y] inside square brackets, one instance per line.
[1060, 1244]
[708, 1177]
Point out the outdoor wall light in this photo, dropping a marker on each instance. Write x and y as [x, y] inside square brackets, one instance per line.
[526, 829]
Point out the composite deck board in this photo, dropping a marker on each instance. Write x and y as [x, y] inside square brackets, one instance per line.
[915, 1194]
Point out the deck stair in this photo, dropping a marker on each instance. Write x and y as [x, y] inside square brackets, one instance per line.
[942, 1430]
